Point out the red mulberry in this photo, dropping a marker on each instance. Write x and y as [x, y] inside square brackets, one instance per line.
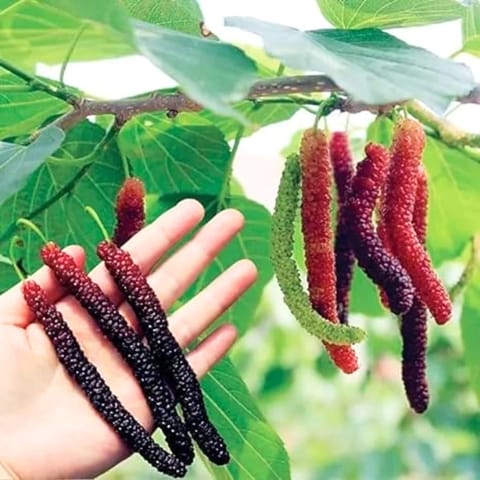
[384, 269]
[165, 349]
[407, 148]
[285, 267]
[127, 342]
[317, 182]
[342, 161]
[130, 210]
[89, 380]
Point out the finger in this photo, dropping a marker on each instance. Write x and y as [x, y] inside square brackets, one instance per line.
[178, 272]
[188, 322]
[14, 309]
[211, 350]
[147, 246]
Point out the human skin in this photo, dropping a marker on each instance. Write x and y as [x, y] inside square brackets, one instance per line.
[48, 429]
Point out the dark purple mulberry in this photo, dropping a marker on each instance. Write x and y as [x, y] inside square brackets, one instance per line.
[165, 349]
[128, 343]
[130, 210]
[90, 381]
[413, 327]
[384, 269]
[343, 171]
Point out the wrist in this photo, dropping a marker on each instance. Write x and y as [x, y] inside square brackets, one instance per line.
[6, 473]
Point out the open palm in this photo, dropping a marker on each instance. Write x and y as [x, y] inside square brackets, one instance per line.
[47, 427]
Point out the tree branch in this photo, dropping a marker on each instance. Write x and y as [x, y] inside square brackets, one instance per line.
[470, 268]
[287, 88]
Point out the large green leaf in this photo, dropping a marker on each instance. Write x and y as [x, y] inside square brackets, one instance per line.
[454, 204]
[471, 29]
[32, 31]
[470, 326]
[372, 66]
[86, 170]
[454, 208]
[256, 450]
[252, 242]
[211, 72]
[384, 14]
[182, 15]
[186, 154]
[17, 162]
[22, 111]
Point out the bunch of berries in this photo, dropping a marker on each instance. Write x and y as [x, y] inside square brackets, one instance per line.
[390, 251]
[160, 367]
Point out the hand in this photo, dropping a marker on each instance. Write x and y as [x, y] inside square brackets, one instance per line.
[47, 427]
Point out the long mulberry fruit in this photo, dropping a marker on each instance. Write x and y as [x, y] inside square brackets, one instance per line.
[342, 161]
[413, 324]
[130, 210]
[382, 267]
[165, 349]
[128, 343]
[317, 183]
[286, 271]
[407, 149]
[90, 381]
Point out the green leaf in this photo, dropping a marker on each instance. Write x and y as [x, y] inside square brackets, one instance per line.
[86, 170]
[256, 450]
[33, 31]
[253, 242]
[471, 29]
[186, 154]
[212, 73]
[454, 207]
[181, 15]
[364, 296]
[22, 112]
[384, 14]
[258, 115]
[470, 328]
[454, 203]
[372, 66]
[17, 162]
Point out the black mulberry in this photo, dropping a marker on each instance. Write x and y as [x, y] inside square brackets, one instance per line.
[343, 171]
[89, 380]
[165, 349]
[128, 343]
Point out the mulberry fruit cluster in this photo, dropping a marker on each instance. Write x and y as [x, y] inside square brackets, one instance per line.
[391, 250]
[159, 366]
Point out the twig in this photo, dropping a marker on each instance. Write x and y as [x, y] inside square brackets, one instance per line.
[446, 130]
[35, 83]
[123, 110]
[470, 268]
